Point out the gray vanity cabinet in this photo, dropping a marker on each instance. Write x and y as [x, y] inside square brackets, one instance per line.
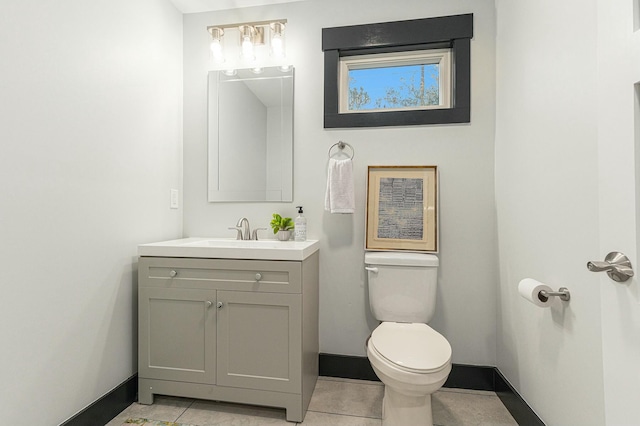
[230, 330]
[177, 332]
[259, 340]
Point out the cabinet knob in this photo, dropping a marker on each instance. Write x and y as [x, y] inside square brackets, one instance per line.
[219, 305]
[173, 273]
[209, 303]
[258, 276]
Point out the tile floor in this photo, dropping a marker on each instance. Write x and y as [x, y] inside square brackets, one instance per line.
[340, 402]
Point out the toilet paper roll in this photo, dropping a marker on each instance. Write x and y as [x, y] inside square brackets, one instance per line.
[530, 290]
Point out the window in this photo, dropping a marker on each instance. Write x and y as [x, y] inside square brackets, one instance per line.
[398, 73]
[396, 81]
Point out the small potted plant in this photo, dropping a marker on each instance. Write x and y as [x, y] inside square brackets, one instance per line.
[282, 227]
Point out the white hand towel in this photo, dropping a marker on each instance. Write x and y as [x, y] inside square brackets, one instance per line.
[339, 197]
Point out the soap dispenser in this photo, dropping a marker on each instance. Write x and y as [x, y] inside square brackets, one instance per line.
[300, 226]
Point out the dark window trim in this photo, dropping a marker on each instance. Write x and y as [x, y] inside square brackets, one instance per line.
[455, 31]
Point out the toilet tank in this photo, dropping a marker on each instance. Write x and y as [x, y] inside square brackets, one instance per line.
[402, 286]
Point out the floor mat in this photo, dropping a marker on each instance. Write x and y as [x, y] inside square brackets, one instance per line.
[147, 422]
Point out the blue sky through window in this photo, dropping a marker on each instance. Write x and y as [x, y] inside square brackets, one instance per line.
[383, 84]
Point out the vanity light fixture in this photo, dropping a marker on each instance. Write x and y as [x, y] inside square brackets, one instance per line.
[247, 36]
[217, 49]
[251, 34]
[277, 39]
[257, 70]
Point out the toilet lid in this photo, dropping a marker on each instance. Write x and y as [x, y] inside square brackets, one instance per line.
[414, 347]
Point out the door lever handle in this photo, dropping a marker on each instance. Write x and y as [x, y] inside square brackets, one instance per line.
[596, 266]
[616, 265]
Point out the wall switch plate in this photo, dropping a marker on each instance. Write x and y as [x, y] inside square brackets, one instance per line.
[174, 199]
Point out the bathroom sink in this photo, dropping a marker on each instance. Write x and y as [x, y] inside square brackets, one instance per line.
[226, 248]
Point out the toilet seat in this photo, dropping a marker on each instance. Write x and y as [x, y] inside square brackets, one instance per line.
[415, 348]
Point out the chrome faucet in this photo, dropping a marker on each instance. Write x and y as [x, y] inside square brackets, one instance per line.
[244, 230]
[243, 224]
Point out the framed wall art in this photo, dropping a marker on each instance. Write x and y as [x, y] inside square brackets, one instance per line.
[402, 211]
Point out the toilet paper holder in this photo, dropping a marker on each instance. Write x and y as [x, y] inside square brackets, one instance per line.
[562, 293]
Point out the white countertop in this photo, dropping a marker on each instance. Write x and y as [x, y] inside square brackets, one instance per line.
[225, 248]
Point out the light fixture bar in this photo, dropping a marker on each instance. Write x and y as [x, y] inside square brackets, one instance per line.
[251, 24]
[251, 34]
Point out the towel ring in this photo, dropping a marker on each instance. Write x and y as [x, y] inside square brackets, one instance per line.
[341, 145]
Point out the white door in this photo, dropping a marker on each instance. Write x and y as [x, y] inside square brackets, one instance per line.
[618, 115]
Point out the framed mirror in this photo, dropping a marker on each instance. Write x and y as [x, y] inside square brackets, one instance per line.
[250, 119]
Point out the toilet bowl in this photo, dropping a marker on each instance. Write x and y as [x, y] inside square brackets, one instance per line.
[413, 361]
[409, 357]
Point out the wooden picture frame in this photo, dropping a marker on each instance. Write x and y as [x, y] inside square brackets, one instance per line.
[402, 208]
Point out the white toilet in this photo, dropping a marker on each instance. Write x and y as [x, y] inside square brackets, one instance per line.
[409, 357]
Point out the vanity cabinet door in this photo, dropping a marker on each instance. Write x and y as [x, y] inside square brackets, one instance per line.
[259, 341]
[177, 334]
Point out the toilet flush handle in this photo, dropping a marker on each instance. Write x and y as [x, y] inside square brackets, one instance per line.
[370, 269]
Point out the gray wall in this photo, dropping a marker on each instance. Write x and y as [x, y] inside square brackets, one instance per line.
[466, 305]
[90, 124]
